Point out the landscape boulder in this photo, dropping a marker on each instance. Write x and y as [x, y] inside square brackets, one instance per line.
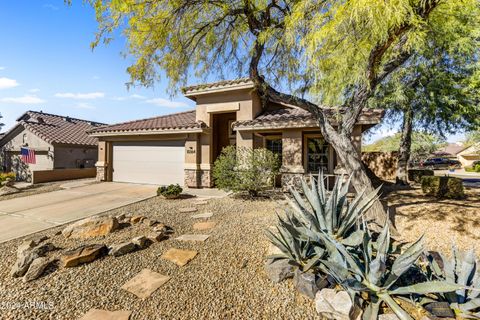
[157, 236]
[91, 227]
[36, 269]
[120, 249]
[26, 255]
[308, 283]
[141, 242]
[338, 305]
[279, 270]
[83, 254]
[137, 219]
[163, 228]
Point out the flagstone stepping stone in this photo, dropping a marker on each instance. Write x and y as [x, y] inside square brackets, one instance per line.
[188, 210]
[145, 283]
[200, 202]
[97, 314]
[205, 215]
[193, 237]
[204, 225]
[180, 257]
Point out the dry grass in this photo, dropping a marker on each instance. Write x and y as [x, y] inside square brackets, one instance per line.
[442, 221]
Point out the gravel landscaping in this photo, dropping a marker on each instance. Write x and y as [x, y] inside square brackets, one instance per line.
[225, 280]
[442, 221]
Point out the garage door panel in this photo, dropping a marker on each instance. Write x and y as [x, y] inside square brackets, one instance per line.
[157, 162]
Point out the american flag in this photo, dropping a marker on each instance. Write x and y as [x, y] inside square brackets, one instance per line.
[28, 155]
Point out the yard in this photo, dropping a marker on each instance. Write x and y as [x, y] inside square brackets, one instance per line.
[226, 279]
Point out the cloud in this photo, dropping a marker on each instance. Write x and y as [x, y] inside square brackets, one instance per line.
[34, 90]
[80, 96]
[6, 83]
[50, 6]
[27, 99]
[167, 103]
[2, 68]
[83, 105]
[133, 96]
[383, 133]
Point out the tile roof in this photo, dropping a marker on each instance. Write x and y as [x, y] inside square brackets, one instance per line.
[175, 121]
[56, 129]
[451, 149]
[219, 85]
[296, 117]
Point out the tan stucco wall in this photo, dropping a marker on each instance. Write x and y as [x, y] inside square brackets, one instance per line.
[292, 151]
[11, 150]
[469, 155]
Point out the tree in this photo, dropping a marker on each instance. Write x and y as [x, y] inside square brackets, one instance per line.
[423, 145]
[334, 53]
[437, 92]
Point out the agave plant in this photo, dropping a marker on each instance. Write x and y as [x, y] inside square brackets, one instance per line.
[298, 234]
[331, 213]
[460, 269]
[367, 275]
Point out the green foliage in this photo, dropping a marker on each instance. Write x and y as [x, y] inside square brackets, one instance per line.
[299, 235]
[170, 191]
[417, 174]
[423, 144]
[461, 269]
[8, 175]
[245, 170]
[443, 187]
[374, 272]
[475, 168]
[326, 234]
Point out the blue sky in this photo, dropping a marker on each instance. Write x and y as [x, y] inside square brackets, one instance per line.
[46, 64]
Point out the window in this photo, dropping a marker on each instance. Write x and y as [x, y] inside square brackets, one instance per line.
[274, 145]
[317, 155]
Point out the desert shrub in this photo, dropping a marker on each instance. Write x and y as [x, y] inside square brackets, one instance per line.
[417, 174]
[245, 170]
[443, 187]
[5, 176]
[475, 168]
[169, 192]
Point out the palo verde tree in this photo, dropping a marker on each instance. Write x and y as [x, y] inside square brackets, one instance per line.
[335, 53]
[436, 92]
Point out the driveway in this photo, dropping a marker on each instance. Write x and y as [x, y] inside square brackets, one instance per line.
[470, 179]
[22, 216]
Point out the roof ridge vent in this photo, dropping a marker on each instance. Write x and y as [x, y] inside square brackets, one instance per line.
[67, 118]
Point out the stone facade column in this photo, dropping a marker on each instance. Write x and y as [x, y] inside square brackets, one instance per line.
[102, 164]
[292, 157]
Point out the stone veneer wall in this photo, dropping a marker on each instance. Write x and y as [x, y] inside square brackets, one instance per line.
[100, 173]
[198, 178]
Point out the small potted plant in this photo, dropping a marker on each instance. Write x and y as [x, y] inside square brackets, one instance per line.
[172, 191]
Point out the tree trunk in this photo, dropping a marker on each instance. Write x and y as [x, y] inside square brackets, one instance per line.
[405, 147]
[350, 158]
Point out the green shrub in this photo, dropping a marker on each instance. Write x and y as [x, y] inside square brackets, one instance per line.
[443, 187]
[170, 192]
[5, 176]
[245, 170]
[417, 174]
[475, 168]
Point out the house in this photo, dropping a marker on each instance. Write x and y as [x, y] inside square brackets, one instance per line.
[469, 155]
[466, 154]
[182, 147]
[59, 142]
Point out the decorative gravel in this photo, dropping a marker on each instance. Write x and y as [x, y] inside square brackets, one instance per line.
[226, 280]
[442, 221]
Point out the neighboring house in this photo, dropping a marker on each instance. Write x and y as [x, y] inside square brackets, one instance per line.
[59, 142]
[182, 148]
[469, 155]
[464, 153]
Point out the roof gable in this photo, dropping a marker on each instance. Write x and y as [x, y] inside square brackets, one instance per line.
[56, 129]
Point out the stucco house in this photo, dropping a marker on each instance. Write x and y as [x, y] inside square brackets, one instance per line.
[182, 147]
[469, 155]
[59, 142]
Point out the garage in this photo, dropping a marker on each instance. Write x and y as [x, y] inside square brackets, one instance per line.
[149, 162]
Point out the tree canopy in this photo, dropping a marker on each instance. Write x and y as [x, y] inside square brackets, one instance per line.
[422, 144]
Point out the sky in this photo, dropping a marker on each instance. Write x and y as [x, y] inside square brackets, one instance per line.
[46, 64]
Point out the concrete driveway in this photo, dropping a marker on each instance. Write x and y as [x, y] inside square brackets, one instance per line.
[22, 216]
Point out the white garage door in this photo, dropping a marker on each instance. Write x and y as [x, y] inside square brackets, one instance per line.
[153, 162]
